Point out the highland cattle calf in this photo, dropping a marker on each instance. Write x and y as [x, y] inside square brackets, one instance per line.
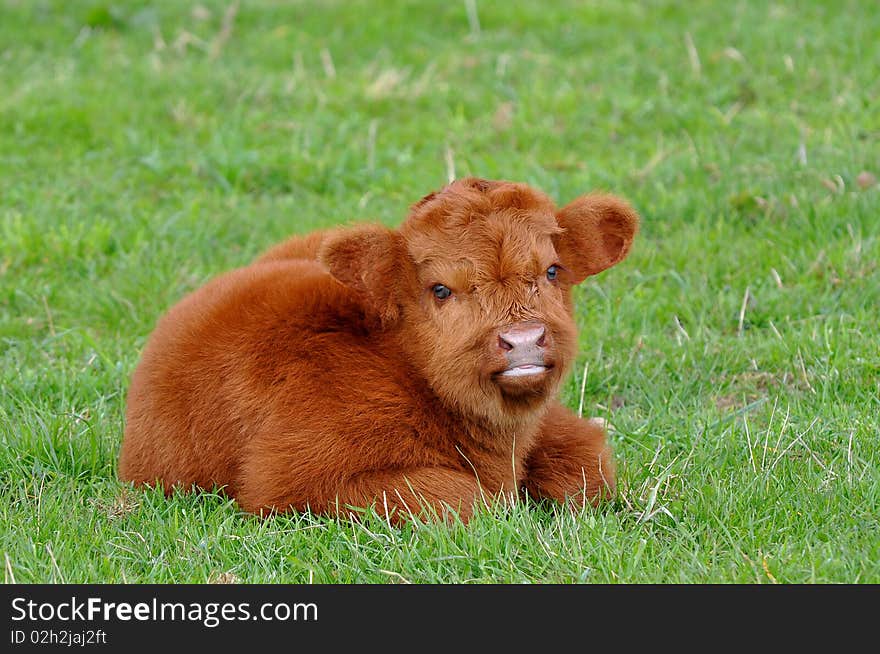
[414, 369]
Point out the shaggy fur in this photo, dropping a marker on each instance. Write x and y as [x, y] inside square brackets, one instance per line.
[329, 374]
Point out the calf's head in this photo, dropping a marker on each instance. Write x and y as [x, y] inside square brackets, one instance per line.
[474, 288]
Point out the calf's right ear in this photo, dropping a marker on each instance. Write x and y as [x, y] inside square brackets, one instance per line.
[598, 231]
[371, 260]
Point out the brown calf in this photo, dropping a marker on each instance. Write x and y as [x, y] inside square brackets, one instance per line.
[414, 369]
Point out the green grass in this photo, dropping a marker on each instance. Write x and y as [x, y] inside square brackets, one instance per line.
[144, 149]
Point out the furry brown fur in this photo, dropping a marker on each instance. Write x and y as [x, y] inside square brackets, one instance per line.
[337, 372]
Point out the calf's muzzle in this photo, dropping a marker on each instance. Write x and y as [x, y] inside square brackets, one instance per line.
[524, 345]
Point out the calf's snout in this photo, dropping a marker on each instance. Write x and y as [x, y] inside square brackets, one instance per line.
[522, 339]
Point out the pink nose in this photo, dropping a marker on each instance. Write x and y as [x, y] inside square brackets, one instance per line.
[522, 336]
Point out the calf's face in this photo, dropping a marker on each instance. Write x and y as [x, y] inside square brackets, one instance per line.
[475, 286]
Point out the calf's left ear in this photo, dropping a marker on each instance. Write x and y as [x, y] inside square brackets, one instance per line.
[598, 231]
[371, 260]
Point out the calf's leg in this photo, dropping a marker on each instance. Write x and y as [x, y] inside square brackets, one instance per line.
[570, 461]
[421, 493]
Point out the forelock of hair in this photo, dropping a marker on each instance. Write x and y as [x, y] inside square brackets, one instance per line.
[469, 208]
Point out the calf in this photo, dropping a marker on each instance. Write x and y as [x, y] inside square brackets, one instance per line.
[415, 370]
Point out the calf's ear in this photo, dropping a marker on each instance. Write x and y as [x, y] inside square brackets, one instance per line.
[598, 231]
[371, 260]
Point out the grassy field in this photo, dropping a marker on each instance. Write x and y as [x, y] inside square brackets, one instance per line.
[148, 146]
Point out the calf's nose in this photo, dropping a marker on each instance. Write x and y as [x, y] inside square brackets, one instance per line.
[529, 335]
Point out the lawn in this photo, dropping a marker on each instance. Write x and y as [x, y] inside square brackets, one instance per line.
[147, 146]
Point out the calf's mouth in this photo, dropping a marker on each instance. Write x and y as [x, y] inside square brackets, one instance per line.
[525, 379]
[527, 369]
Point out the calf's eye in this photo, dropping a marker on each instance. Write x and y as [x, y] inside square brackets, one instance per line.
[552, 272]
[441, 292]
